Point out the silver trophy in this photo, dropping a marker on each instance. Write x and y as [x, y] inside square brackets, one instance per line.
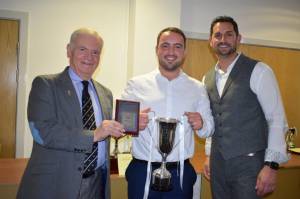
[161, 177]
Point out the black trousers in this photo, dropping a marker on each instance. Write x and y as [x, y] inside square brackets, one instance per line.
[235, 178]
[94, 187]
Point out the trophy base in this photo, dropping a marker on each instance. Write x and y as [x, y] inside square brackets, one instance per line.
[114, 169]
[161, 184]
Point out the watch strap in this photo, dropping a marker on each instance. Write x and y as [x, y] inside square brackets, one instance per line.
[272, 165]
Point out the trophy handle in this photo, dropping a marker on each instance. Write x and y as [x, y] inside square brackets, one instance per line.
[181, 122]
[151, 115]
[151, 128]
[152, 119]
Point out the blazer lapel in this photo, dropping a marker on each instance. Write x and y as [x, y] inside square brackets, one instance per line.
[103, 99]
[69, 95]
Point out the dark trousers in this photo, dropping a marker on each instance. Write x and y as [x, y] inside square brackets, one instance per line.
[136, 177]
[94, 187]
[235, 178]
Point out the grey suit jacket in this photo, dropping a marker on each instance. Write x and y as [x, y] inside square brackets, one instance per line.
[54, 168]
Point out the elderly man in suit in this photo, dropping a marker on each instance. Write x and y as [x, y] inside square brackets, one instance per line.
[69, 116]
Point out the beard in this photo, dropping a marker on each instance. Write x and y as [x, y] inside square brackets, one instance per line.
[170, 66]
[222, 53]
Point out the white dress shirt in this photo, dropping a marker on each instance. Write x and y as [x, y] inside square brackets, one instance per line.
[263, 83]
[169, 99]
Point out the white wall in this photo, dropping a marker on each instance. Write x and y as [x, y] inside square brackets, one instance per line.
[262, 20]
[149, 18]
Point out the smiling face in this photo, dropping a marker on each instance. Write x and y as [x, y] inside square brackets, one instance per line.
[170, 52]
[84, 54]
[224, 40]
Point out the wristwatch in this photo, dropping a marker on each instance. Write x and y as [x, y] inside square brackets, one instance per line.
[272, 165]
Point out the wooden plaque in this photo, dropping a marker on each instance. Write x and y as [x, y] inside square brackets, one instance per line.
[127, 113]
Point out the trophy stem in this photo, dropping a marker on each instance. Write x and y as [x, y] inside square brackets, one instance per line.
[164, 161]
[164, 157]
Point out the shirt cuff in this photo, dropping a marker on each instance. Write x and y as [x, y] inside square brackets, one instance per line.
[275, 156]
[207, 146]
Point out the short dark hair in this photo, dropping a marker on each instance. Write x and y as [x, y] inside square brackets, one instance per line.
[171, 29]
[224, 19]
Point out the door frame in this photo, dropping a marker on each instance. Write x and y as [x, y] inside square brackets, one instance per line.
[21, 124]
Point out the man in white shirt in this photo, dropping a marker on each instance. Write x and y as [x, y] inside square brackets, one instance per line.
[248, 144]
[167, 92]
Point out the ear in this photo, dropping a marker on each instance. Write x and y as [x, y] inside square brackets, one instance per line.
[185, 51]
[156, 49]
[69, 51]
[239, 38]
[210, 41]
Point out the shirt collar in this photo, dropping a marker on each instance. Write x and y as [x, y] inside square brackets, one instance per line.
[161, 77]
[230, 67]
[74, 77]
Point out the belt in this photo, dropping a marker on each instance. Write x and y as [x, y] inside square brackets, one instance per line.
[157, 164]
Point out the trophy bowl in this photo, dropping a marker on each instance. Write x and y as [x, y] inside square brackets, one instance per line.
[161, 177]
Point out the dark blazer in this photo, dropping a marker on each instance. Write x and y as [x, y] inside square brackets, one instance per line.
[54, 168]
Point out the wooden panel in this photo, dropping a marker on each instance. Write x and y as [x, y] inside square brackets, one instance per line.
[284, 62]
[8, 65]
[288, 185]
[199, 58]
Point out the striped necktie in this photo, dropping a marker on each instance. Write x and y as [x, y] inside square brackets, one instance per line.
[89, 123]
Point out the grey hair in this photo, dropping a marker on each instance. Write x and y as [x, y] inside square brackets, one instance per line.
[84, 31]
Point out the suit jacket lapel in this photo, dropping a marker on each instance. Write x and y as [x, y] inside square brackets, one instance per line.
[69, 94]
[106, 114]
[103, 101]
